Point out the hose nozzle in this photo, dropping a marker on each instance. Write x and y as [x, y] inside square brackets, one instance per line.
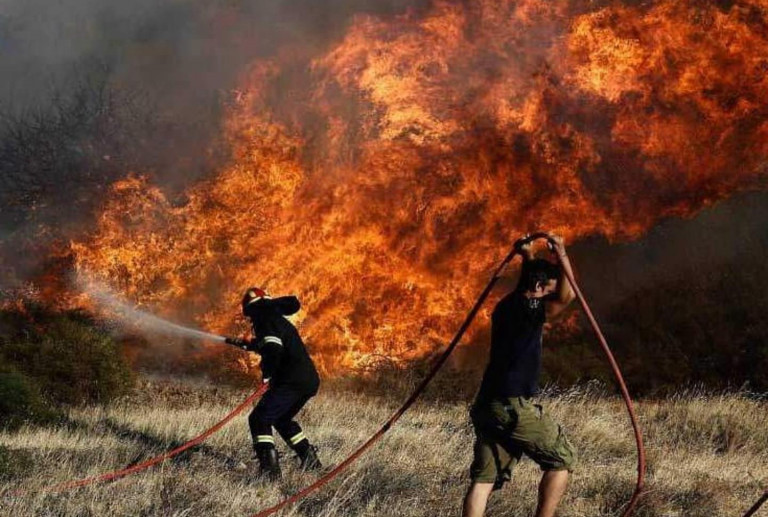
[236, 341]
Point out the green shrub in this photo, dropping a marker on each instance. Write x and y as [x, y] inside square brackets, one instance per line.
[20, 401]
[65, 354]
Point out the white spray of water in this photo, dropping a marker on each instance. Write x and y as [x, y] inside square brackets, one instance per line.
[133, 316]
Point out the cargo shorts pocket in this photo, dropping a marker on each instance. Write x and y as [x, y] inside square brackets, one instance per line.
[558, 454]
[542, 439]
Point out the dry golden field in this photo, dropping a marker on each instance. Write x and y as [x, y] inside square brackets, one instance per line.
[708, 456]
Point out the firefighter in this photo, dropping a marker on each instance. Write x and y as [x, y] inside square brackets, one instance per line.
[288, 369]
[508, 420]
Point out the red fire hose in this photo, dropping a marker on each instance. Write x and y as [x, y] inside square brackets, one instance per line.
[441, 361]
[755, 507]
[624, 393]
[110, 476]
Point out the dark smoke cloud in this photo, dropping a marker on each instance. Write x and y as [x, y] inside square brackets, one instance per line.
[93, 89]
[719, 235]
[183, 58]
[180, 49]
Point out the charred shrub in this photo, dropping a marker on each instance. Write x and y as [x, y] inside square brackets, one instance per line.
[64, 354]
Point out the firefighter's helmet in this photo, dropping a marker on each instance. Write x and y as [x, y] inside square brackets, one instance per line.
[253, 295]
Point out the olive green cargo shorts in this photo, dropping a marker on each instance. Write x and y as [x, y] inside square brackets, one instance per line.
[507, 428]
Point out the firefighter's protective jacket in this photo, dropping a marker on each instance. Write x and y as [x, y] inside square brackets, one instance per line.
[284, 358]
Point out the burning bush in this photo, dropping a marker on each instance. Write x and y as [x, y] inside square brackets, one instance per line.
[63, 354]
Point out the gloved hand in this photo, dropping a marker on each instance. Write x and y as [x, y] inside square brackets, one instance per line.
[238, 342]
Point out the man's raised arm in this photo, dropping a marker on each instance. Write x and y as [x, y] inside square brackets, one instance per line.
[565, 294]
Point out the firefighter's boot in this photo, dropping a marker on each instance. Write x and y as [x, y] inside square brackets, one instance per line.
[309, 459]
[269, 465]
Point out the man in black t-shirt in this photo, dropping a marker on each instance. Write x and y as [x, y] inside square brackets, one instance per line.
[291, 374]
[507, 423]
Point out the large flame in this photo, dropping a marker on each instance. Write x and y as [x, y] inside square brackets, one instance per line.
[381, 180]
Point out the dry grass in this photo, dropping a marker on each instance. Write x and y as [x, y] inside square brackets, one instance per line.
[708, 456]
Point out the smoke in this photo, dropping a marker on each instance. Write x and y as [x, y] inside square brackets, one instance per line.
[94, 89]
[181, 52]
[131, 316]
[718, 235]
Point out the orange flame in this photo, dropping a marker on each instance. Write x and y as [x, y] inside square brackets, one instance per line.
[381, 180]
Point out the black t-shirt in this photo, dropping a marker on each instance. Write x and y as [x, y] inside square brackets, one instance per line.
[515, 363]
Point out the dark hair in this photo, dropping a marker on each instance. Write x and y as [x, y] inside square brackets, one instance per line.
[537, 271]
